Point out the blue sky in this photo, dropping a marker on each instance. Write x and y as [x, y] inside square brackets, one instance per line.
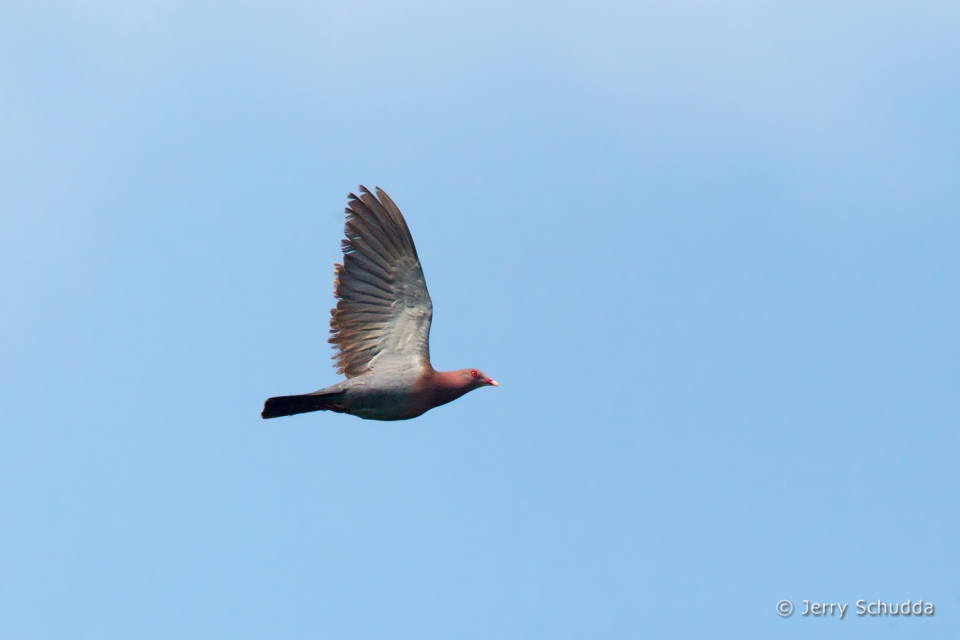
[708, 250]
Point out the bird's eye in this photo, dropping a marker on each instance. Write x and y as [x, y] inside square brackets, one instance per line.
[474, 374]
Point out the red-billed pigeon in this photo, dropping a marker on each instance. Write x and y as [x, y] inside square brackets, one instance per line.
[381, 326]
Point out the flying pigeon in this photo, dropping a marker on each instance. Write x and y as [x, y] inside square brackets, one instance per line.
[381, 326]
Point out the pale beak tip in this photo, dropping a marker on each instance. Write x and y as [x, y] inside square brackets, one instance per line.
[494, 383]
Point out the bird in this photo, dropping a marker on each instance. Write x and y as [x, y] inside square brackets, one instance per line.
[380, 326]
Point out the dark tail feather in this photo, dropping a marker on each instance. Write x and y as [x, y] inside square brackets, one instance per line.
[292, 405]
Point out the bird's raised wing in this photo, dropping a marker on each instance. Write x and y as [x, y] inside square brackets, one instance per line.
[383, 315]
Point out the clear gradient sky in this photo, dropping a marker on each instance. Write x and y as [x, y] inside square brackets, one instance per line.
[711, 252]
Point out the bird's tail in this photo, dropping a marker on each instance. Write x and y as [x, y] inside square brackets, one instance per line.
[292, 405]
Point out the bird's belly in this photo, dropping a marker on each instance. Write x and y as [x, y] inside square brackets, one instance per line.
[383, 404]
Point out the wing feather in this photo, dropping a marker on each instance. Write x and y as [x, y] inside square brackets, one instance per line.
[366, 224]
[363, 287]
[370, 259]
[368, 273]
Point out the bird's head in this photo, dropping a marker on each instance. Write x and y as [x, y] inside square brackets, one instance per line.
[474, 379]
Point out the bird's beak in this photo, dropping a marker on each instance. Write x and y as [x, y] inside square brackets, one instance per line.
[492, 383]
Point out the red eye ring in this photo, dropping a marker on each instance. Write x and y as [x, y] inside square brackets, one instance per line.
[474, 373]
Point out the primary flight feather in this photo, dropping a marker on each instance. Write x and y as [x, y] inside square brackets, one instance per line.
[380, 326]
